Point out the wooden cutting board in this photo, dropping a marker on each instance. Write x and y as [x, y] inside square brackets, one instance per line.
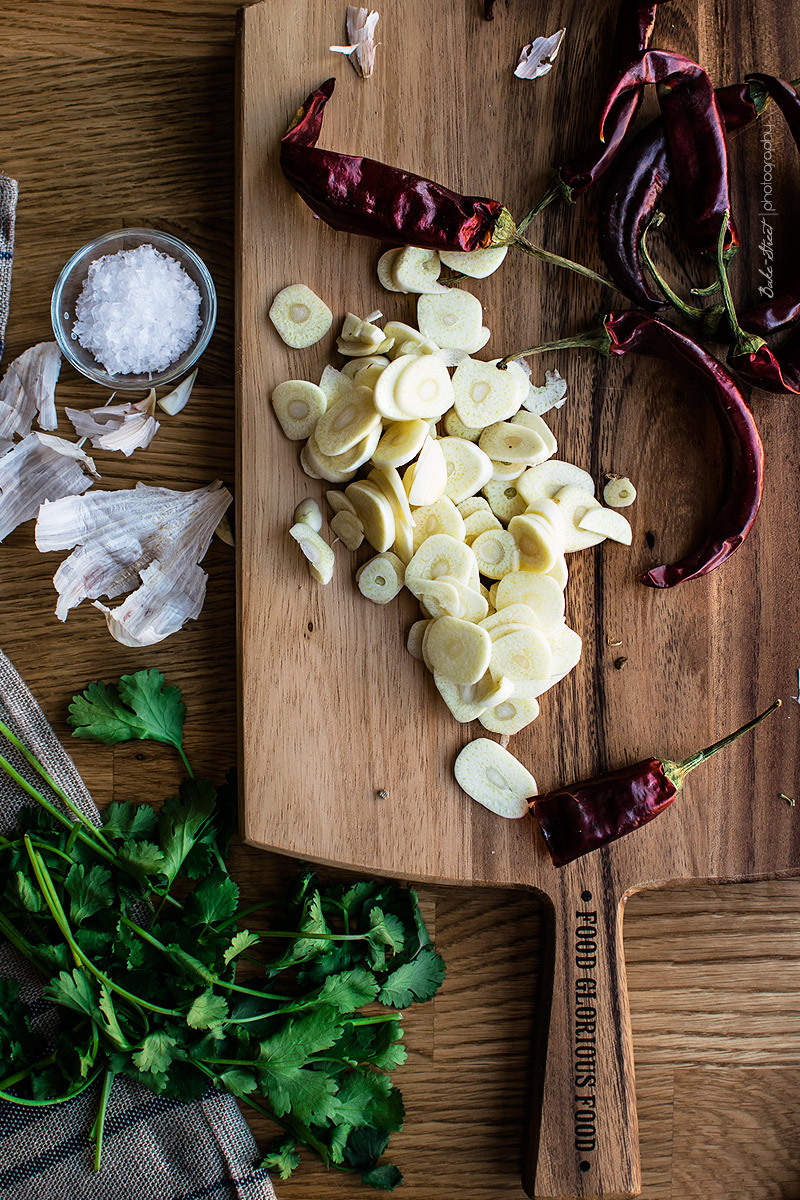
[347, 749]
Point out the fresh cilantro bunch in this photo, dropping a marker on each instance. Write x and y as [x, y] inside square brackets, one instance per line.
[147, 981]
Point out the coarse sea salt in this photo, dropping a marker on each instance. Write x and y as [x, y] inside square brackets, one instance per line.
[138, 311]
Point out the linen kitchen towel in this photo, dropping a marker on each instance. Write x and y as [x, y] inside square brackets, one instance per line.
[153, 1149]
[8, 211]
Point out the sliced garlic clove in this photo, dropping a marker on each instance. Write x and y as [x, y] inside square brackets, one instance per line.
[484, 395]
[426, 479]
[423, 389]
[367, 365]
[478, 522]
[375, 513]
[458, 650]
[523, 654]
[316, 550]
[299, 316]
[472, 604]
[510, 715]
[574, 503]
[455, 427]
[468, 468]
[417, 270]
[475, 264]
[414, 639]
[385, 267]
[507, 442]
[473, 504]
[441, 517]
[531, 421]
[381, 579]
[439, 555]
[566, 647]
[495, 553]
[608, 523]
[334, 383]
[346, 422]
[324, 466]
[512, 614]
[308, 512]
[348, 529]
[176, 400]
[454, 320]
[504, 498]
[338, 501]
[438, 599]
[383, 396]
[539, 592]
[506, 472]
[619, 492]
[544, 480]
[401, 442]
[298, 405]
[493, 777]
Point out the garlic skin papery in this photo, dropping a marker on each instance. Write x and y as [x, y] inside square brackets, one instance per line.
[27, 388]
[361, 23]
[40, 468]
[125, 427]
[537, 57]
[117, 537]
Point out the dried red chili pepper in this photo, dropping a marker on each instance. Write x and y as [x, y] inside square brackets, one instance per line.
[360, 195]
[695, 137]
[630, 332]
[635, 21]
[584, 816]
[636, 183]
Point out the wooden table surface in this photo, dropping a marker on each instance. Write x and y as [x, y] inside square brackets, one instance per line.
[122, 114]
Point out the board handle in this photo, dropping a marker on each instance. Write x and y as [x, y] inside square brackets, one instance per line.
[583, 1136]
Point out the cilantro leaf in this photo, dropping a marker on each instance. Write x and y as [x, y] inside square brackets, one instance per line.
[364, 1148]
[73, 991]
[90, 892]
[99, 715]
[239, 942]
[156, 1053]
[418, 979]
[282, 1157]
[349, 990]
[214, 899]
[22, 894]
[207, 1011]
[238, 1082]
[385, 1178]
[130, 821]
[142, 859]
[182, 820]
[158, 706]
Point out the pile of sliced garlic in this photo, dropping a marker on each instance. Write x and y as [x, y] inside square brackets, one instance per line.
[459, 492]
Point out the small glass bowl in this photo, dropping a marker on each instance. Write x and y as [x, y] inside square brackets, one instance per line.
[70, 284]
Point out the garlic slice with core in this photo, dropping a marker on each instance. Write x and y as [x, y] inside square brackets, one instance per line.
[375, 513]
[619, 492]
[540, 592]
[423, 389]
[510, 715]
[385, 265]
[381, 579]
[37, 469]
[496, 553]
[458, 650]
[346, 422]
[493, 777]
[401, 442]
[439, 555]
[478, 522]
[176, 400]
[522, 654]
[316, 550]
[299, 316]
[504, 499]
[476, 264]
[454, 320]
[348, 528]
[544, 480]
[468, 468]
[417, 270]
[27, 388]
[383, 396]
[455, 427]
[125, 427]
[484, 395]
[441, 517]
[507, 442]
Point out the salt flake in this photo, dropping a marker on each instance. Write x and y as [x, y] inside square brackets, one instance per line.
[538, 57]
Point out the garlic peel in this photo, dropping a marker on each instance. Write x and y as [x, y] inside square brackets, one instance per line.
[538, 56]
[29, 387]
[125, 427]
[176, 400]
[37, 469]
[361, 23]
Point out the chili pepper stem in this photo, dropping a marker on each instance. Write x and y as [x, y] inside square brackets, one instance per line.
[553, 193]
[677, 771]
[557, 260]
[744, 343]
[594, 339]
[693, 311]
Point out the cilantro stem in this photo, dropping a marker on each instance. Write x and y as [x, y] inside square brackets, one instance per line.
[109, 855]
[241, 913]
[10, 1080]
[53, 903]
[301, 935]
[186, 763]
[22, 944]
[100, 1119]
[56, 1100]
[396, 1016]
[301, 1132]
[51, 783]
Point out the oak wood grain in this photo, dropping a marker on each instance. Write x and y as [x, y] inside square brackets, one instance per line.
[123, 114]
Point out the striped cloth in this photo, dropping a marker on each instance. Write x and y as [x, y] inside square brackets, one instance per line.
[8, 210]
[153, 1149]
